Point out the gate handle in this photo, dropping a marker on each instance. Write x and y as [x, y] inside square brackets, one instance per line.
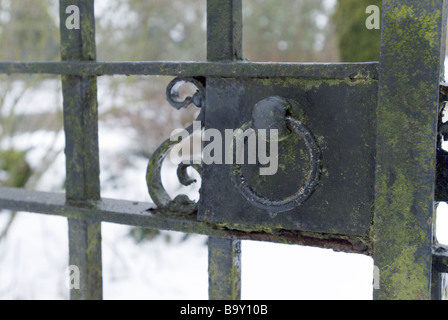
[278, 110]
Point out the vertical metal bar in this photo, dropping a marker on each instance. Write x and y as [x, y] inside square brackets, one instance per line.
[436, 288]
[439, 284]
[224, 43]
[411, 59]
[81, 149]
[224, 269]
[444, 286]
[85, 252]
[224, 30]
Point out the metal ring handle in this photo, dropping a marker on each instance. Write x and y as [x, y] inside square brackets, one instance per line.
[276, 206]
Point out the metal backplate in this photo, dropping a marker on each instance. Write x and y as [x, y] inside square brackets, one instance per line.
[341, 117]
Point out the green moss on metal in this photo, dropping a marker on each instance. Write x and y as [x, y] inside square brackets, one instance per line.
[224, 269]
[407, 122]
[402, 283]
[310, 84]
[224, 30]
[80, 121]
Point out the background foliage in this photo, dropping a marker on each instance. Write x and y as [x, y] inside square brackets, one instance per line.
[356, 43]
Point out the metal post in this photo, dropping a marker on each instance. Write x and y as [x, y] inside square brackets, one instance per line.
[82, 154]
[224, 269]
[224, 43]
[412, 55]
[224, 30]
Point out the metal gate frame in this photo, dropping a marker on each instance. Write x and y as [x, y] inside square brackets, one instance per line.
[409, 263]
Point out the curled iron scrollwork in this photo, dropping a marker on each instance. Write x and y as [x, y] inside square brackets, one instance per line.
[181, 204]
[173, 95]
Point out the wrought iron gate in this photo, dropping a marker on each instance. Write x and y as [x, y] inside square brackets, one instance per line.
[357, 152]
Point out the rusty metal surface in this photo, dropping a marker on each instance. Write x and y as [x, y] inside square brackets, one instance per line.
[146, 215]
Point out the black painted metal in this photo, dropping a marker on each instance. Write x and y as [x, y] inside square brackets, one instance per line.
[224, 269]
[233, 69]
[341, 114]
[224, 43]
[146, 215]
[441, 191]
[172, 93]
[289, 202]
[81, 149]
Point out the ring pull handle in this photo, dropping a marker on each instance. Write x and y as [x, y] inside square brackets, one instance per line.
[276, 113]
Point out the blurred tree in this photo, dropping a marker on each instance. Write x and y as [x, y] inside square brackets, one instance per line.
[15, 168]
[14, 172]
[139, 30]
[290, 30]
[356, 43]
[28, 31]
[293, 30]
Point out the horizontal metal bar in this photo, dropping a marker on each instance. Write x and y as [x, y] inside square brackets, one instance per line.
[353, 71]
[143, 214]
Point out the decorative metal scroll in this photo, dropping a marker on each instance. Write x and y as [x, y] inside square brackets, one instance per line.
[181, 204]
[173, 96]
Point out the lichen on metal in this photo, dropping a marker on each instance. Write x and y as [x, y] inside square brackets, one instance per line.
[410, 64]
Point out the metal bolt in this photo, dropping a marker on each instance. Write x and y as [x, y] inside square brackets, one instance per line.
[270, 113]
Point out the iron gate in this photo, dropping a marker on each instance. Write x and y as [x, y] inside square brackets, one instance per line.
[364, 140]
